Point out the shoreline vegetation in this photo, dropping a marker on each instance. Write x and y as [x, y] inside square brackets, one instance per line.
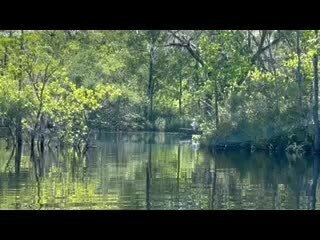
[243, 90]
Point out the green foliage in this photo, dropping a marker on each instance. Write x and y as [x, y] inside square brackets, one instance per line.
[234, 82]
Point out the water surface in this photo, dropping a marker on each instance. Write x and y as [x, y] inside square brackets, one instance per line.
[155, 171]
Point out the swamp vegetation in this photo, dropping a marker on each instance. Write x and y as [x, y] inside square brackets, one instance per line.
[159, 119]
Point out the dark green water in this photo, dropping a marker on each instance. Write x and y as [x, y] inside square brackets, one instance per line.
[155, 171]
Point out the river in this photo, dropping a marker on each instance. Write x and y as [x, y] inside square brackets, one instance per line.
[156, 171]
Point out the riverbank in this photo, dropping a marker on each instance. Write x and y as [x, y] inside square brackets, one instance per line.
[280, 144]
[264, 145]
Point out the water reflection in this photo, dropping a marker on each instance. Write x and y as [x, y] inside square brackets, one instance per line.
[314, 182]
[154, 171]
[148, 175]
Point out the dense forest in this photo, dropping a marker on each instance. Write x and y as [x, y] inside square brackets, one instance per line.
[247, 89]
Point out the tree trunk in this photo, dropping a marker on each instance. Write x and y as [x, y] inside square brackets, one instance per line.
[32, 144]
[216, 104]
[18, 157]
[151, 83]
[42, 143]
[316, 102]
[42, 128]
[299, 78]
[310, 112]
[180, 95]
[272, 66]
[6, 56]
[18, 132]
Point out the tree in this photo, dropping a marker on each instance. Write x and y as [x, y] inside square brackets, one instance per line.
[316, 100]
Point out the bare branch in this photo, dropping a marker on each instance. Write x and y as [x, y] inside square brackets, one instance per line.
[186, 43]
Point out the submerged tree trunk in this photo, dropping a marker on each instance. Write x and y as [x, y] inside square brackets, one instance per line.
[42, 138]
[316, 102]
[18, 158]
[42, 143]
[18, 134]
[32, 140]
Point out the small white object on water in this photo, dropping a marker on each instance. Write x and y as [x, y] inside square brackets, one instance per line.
[195, 125]
[196, 138]
[185, 142]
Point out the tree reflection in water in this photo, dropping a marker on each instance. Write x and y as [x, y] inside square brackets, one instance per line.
[150, 171]
[315, 182]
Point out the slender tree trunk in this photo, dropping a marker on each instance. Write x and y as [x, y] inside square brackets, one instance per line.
[216, 104]
[32, 140]
[42, 143]
[18, 131]
[42, 138]
[180, 95]
[197, 109]
[18, 158]
[310, 115]
[151, 86]
[299, 78]
[272, 66]
[6, 56]
[316, 102]
[151, 78]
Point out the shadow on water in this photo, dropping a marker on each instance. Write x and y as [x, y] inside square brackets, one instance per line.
[315, 182]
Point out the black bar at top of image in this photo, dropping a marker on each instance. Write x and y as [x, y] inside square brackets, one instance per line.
[159, 15]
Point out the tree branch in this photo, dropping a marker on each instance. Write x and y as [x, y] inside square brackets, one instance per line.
[186, 43]
[261, 49]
